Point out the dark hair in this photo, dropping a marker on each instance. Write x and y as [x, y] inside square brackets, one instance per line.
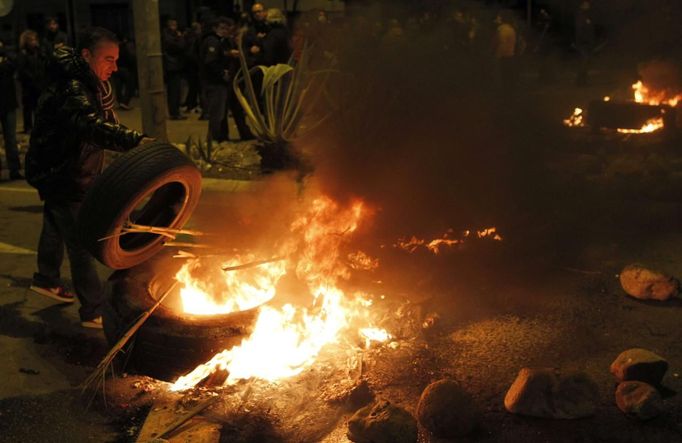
[89, 38]
[222, 20]
[51, 19]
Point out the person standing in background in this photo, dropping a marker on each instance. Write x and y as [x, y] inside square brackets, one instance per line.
[8, 113]
[31, 74]
[54, 38]
[173, 44]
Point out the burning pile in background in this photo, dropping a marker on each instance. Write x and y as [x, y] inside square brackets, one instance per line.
[641, 94]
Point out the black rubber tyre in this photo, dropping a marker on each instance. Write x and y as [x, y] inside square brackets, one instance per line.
[167, 345]
[153, 185]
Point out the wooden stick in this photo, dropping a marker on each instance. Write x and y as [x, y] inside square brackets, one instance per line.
[191, 413]
[252, 264]
[132, 228]
[106, 361]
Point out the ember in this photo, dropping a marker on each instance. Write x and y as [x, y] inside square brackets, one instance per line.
[435, 245]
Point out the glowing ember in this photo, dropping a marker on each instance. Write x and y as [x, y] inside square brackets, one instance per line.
[575, 119]
[412, 244]
[287, 340]
[360, 260]
[651, 125]
[644, 94]
[607, 98]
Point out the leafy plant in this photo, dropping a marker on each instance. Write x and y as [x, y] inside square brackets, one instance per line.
[275, 112]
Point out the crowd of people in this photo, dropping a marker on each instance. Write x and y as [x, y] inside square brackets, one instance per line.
[201, 60]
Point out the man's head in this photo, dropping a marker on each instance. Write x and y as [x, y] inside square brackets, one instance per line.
[28, 39]
[99, 48]
[172, 24]
[223, 27]
[275, 16]
[258, 12]
[52, 24]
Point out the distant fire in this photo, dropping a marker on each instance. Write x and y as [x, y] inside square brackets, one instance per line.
[651, 125]
[575, 119]
[287, 339]
[641, 94]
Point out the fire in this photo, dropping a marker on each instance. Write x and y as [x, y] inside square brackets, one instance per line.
[651, 125]
[374, 334]
[575, 119]
[287, 340]
[209, 291]
[644, 94]
[413, 243]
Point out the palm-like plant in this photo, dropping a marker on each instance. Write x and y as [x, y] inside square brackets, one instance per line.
[276, 111]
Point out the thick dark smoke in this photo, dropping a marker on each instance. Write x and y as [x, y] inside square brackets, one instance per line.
[425, 128]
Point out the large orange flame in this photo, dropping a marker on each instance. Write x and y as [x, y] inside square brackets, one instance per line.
[287, 340]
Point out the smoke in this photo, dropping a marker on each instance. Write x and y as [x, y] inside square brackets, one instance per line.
[426, 128]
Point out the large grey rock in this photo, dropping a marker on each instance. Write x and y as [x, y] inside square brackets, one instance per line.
[382, 422]
[646, 284]
[446, 410]
[639, 365]
[544, 392]
[639, 400]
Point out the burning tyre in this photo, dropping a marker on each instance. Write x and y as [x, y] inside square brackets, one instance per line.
[170, 343]
[152, 185]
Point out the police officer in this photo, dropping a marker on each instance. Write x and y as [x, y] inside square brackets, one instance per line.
[215, 76]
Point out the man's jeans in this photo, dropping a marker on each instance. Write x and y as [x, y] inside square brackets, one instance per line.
[59, 228]
[9, 132]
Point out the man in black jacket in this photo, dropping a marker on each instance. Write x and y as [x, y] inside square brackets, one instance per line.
[173, 44]
[74, 123]
[8, 113]
[215, 77]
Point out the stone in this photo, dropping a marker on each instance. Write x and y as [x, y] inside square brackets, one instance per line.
[446, 410]
[639, 364]
[544, 392]
[382, 422]
[646, 284]
[639, 400]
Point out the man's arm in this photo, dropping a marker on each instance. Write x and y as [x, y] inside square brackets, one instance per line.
[82, 116]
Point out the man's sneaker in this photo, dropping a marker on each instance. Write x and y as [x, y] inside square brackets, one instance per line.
[95, 323]
[58, 293]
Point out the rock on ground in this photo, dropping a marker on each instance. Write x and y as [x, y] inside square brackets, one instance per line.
[645, 284]
[382, 422]
[639, 400]
[446, 410]
[639, 364]
[543, 392]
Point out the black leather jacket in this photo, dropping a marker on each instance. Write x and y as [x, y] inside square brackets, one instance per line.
[71, 131]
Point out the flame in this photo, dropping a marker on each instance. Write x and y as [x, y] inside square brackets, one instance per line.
[575, 119]
[651, 125]
[219, 292]
[644, 94]
[287, 340]
[374, 334]
[413, 243]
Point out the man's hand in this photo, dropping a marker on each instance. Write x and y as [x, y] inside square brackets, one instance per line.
[146, 140]
[254, 49]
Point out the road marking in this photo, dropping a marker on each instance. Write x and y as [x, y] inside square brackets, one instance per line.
[8, 189]
[6, 248]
